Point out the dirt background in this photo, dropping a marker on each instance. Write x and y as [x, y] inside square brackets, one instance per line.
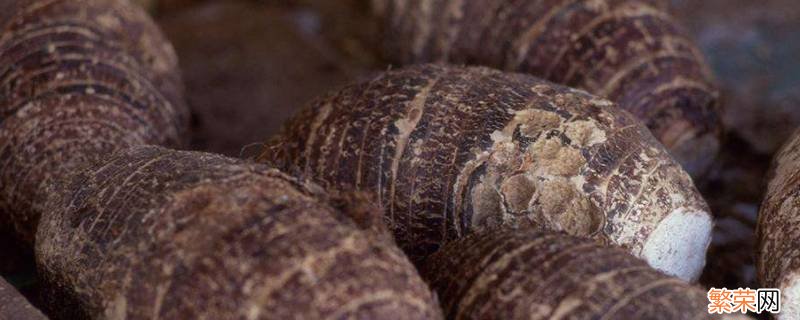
[249, 66]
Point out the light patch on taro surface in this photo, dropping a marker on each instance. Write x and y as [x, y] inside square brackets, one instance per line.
[539, 183]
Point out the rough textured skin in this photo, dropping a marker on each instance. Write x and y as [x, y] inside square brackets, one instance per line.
[79, 80]
[452, 150]
[778, 230]
[630, 51]
[525, 274]
[13, 305]
[155, 233]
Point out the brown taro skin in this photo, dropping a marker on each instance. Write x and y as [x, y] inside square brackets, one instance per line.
[13, 306]
[526, 274]
[449, 150]
[630, 51]
[155, 233]
[79, 79]
[778, 229]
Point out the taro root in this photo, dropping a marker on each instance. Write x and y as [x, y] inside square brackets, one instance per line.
[528, 274]
[80, 79]
[778, 230]
[155, 233]
[14, 306]
[451, 150]
[630, 51]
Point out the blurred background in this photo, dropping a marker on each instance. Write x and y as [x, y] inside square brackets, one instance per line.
[249, 65]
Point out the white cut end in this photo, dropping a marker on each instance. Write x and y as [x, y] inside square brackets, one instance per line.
[790, 298]
[678, 245]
